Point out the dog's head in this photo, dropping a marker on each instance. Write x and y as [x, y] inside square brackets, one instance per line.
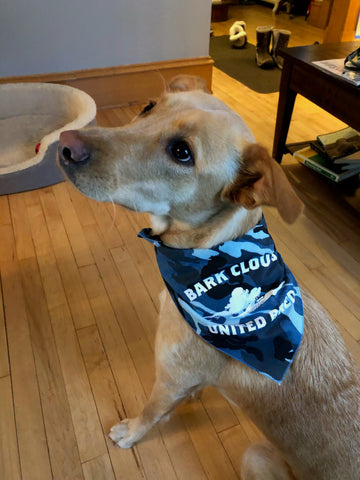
[187, 156]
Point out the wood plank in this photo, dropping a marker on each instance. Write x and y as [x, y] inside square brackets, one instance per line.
[7, 243]
[235, 442]
[55, 225]
[110, 407]
[336, 283]
[152, 452]
[85, 419]
[61, 440]
[155, 458]
[106, 224]
[251, 430]
[174, 433]
[141, 252]
[9, 454]
[5, 217]
[87, 427]
[74, 289]
[31, 197]
[329, 252]
[321, 292]
[328, 208]
[333, 266]
[297, 238]
[218, 409]
[39, 232]
[183, 454]
[4, 355]
[81, 205]
[352, 344]
[138, 221]
[23, 241]
[110, 117]
[352, 247]
[137, 292]
[132, 329]
[211, 452]
[45, 255]
[72, 225]
[100, 469]
[117, 350]
[34, 455]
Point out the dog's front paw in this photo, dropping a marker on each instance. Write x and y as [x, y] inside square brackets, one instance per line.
[127, 432]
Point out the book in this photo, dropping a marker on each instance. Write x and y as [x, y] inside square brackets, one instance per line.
[347, 161]
[341, 147]
[350, 161]
[312, 159]
[332, 137]
[336, 66]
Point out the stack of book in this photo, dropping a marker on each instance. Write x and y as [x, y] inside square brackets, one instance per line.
[335, 155]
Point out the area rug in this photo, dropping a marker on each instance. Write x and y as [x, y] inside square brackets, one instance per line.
[240, 64]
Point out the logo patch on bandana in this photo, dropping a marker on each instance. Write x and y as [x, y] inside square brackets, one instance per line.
[238, 296]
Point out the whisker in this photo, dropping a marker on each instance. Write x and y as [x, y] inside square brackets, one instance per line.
[114, 213]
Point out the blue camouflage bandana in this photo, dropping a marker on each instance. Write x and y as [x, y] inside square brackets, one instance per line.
[239, 296]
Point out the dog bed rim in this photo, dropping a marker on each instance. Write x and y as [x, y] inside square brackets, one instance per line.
[83, 118]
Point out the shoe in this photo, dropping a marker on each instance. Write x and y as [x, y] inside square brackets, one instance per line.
[263, 39]
[352, 61]
[280, 40]
[237, 34]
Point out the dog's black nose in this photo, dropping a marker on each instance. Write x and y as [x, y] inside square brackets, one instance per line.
[72, 148]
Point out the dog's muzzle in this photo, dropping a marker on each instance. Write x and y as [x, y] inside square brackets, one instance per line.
[72, 149]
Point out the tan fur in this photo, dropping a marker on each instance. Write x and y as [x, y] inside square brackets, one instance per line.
[184, 83]
[312, 419]
[261, 181]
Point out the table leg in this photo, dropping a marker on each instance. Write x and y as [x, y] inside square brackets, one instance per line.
[284, 112]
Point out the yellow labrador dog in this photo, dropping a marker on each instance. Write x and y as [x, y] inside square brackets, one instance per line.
[194, 166]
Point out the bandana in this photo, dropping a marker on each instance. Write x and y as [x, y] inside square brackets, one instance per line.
[238, 296]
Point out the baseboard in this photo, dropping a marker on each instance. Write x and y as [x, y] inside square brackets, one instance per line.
[124, 85]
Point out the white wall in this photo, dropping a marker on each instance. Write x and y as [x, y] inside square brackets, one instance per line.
[45, 36]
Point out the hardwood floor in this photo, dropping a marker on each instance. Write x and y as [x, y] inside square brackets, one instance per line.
[80, 299]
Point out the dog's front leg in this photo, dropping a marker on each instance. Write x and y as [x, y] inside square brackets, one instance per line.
[176, 379]
[165, 396]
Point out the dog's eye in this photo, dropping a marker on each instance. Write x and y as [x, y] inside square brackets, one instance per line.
[148, 107]
[181, 152]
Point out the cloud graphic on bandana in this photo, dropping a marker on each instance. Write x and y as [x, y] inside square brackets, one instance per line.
[204, 253]
[242, 300]
[232, 248]
[259, 235]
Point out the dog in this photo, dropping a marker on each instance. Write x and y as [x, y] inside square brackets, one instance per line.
[193, 164]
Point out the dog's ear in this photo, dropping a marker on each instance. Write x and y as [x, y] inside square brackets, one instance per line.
[184, 83]
[261, 181]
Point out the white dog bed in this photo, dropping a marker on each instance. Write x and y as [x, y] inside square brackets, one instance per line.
[32, 114]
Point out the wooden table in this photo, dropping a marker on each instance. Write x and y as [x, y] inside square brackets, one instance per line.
[329, 91]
